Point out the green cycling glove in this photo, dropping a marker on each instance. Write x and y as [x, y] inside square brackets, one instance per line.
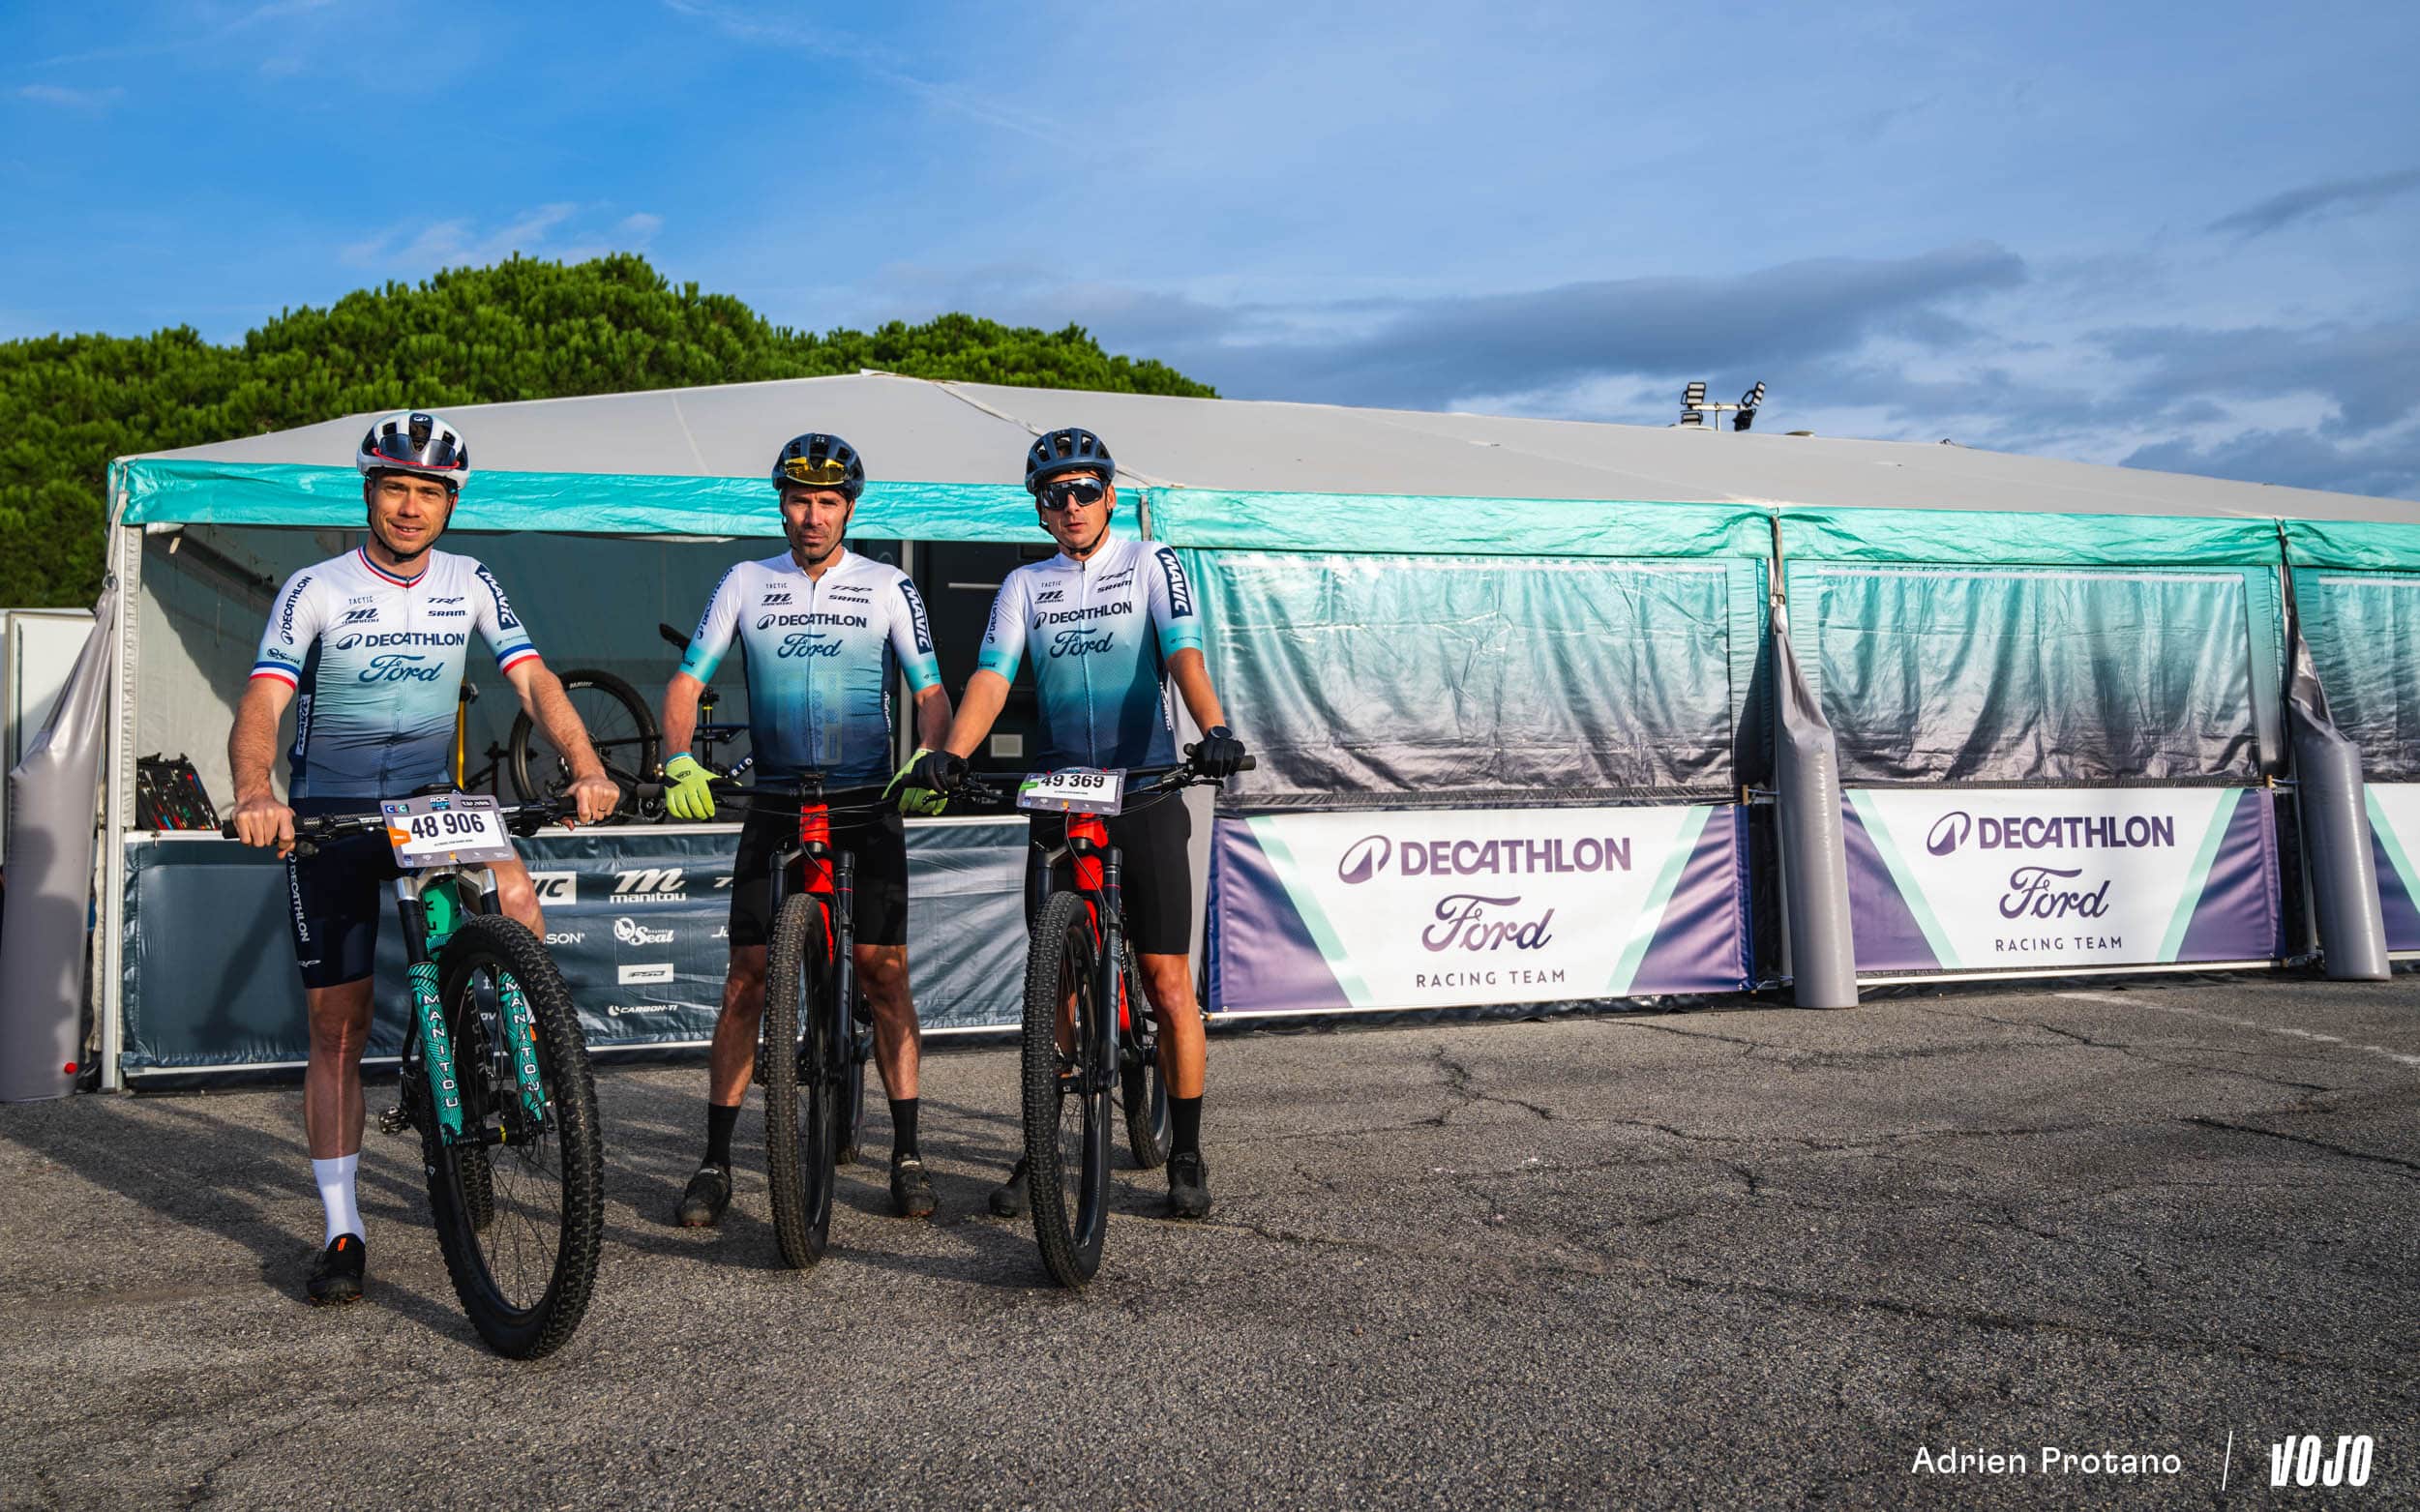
[687, 793]
[916, 800]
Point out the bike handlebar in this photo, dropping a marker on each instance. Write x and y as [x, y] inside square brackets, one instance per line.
[1140, 781]
[519, 818]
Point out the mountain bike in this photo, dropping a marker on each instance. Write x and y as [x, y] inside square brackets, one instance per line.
[1085, 1033]
[622, 729]
[495, 1077]
[817, 1036]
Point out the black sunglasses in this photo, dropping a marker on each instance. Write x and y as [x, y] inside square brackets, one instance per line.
[1068, 491]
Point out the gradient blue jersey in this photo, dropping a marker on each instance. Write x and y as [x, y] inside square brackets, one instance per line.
[1100, 633]
[375, 662]
[821, 653]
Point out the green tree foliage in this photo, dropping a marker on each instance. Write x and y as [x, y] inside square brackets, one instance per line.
[520, 330]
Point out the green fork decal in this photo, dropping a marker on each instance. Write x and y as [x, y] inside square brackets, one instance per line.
[437, 1050]
[522, 1028]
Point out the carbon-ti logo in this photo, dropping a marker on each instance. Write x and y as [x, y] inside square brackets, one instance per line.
[1364, 858]
[1949, 832]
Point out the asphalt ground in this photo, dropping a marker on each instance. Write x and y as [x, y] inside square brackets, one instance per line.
[1753, 1258]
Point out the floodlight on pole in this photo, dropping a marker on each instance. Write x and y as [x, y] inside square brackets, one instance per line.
[1693, 404]
[1750, 402]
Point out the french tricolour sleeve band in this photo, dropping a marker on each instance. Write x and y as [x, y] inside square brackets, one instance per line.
[279, 670]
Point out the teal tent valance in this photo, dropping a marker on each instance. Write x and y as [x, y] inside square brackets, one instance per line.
[2013, 539]
[1213, 520]
[572, 503]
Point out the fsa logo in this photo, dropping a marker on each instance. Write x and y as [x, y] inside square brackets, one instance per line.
[562, 887]
[663, 881]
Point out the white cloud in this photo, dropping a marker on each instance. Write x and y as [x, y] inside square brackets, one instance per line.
[71, 98]
[563, 231]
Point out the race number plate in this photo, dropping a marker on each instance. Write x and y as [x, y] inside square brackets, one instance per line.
[1073, 790]
[448, 829]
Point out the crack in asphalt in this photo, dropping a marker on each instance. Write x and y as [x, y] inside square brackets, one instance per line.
[2396, 1162]
[1463, 1084]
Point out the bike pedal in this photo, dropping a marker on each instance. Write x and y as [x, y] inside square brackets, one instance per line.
[394, 1121]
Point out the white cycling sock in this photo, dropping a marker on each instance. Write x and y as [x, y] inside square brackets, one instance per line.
[336, 1193]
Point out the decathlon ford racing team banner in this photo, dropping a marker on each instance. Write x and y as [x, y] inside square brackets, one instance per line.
[1988, 879]
[1436, 908]
[2394, 840]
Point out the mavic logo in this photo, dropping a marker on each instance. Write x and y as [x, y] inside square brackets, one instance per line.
[366, 617]
[664, 881]
[562, 887]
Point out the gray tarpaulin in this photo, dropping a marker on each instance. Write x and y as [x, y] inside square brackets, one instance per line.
[53, 803]
[1395, 680]
[1982, 674]
[2363, 631]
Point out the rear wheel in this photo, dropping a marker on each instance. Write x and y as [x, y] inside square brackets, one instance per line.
[521, 1216]
[801, 1110]
[1066, 1079]
[620, 728]
[1142, 1091]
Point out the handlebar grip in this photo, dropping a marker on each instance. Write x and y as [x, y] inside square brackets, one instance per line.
[1249, 764]
[227, 829]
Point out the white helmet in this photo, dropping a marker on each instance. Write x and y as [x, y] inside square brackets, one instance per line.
[414, 441]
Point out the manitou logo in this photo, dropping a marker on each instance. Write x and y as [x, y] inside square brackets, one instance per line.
[562, 887]
[663, 881]
[2306, 1461]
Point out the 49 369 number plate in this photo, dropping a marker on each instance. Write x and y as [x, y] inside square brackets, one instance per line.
[1073, 790]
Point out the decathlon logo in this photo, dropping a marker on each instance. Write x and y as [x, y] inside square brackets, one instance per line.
[1364, 858]
[562, 887]
[2051, 832]
[2306, 1461]
[664, 881]
[630, 932]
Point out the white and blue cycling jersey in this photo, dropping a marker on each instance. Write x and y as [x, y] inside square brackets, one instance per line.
[1100, 631]
[376, 662]
[821, 653]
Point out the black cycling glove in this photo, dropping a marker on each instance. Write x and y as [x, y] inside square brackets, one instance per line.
[940, 770]
[1218, 753]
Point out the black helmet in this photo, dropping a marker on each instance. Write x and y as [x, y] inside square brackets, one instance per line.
[1064, 451]
[817, 461]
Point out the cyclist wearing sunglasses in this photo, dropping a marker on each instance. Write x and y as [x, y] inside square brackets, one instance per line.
[1108, 621]
[824, 632]
[367, 648]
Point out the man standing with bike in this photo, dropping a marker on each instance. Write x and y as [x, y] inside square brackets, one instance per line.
[1108, 620]
[369, 646]
[823, 632]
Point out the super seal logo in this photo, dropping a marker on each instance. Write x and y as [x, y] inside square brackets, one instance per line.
[630, 932]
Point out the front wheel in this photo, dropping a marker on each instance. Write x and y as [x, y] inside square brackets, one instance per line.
[1068, 1078]
[521, 1214]
[802, 1108]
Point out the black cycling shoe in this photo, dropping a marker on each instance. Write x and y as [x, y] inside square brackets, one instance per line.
[1009, 1199]
[912, 1190]
[1189, 1186]
[708, 1193]
[335, 1279]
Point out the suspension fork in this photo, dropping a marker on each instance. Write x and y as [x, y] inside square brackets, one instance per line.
[425, 929]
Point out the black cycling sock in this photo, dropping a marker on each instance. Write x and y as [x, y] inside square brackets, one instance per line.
[903, 1126]
[1184, 1126]
[719, 1123]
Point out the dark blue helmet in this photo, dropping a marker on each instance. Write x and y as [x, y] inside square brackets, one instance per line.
[1064, 452]
[817, 461]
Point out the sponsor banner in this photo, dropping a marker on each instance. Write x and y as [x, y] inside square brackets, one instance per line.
[2395, 841]
[1434, 908]
[636, 918]
[1985, 880]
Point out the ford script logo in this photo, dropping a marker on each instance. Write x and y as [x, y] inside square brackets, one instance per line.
[1364, 858]
[1949, 832]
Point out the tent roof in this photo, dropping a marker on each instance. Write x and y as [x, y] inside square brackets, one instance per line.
[926, 431]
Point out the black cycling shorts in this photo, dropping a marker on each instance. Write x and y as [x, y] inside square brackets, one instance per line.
[877, 840]
[1155, 872]
[336, 897]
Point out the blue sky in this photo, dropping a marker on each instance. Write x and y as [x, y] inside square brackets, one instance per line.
[2184, 236]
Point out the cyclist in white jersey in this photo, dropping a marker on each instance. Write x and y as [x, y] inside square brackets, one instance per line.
[367, 648]
[824, 632]
[1108, 623]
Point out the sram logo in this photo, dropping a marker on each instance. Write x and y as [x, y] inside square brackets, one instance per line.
[661, 881]
[562, 887]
